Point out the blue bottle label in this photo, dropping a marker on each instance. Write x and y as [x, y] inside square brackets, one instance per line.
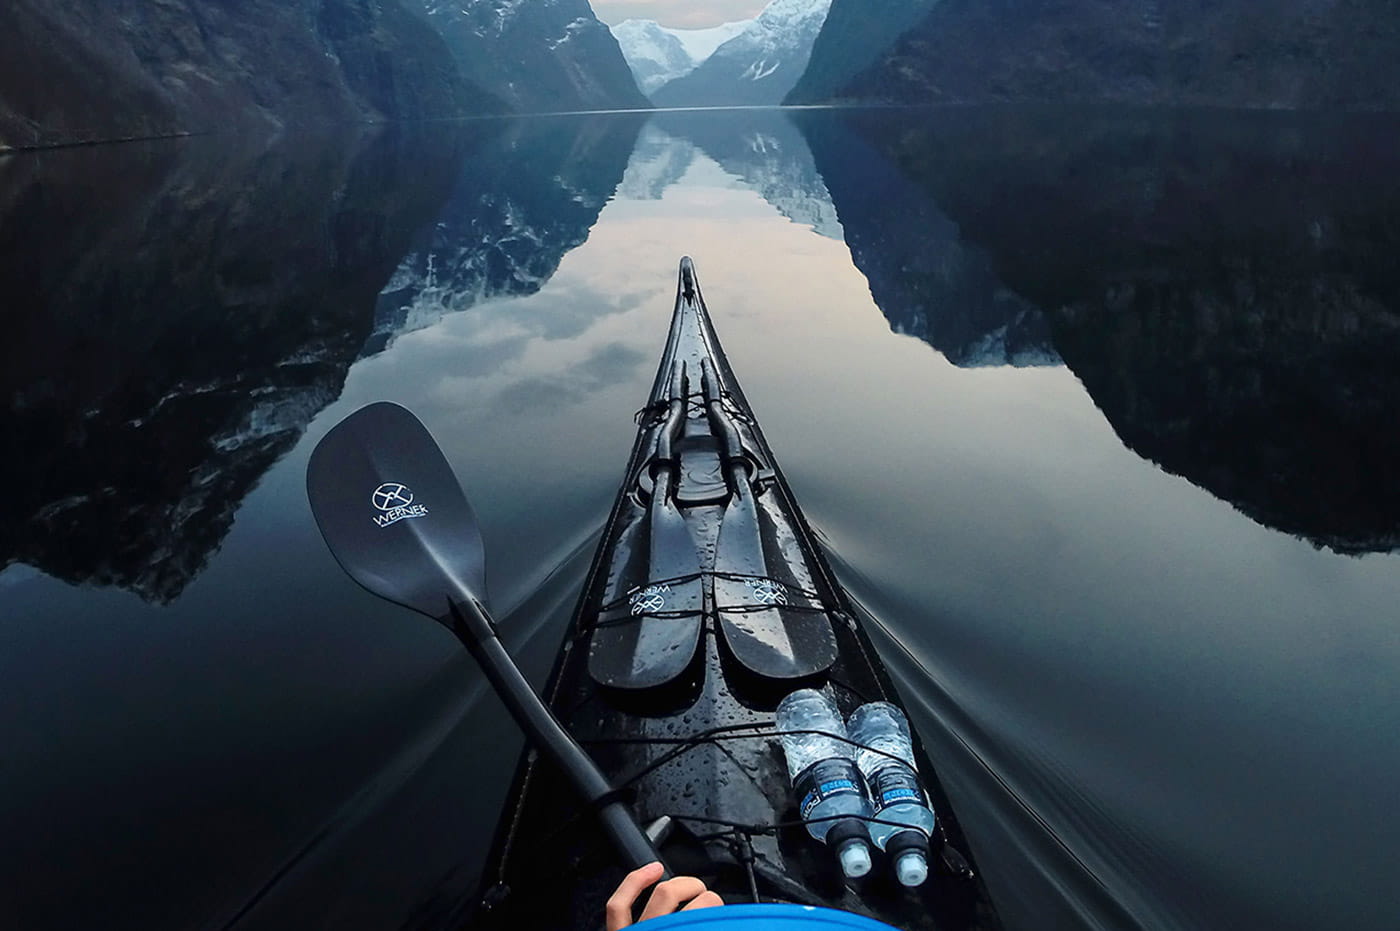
[896, 785]
[825, 779]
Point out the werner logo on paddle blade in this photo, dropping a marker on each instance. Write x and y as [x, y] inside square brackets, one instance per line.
[396, 502]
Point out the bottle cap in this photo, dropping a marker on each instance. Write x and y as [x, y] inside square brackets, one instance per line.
[855, 858]
[911, 868]
[851, 838]
[909, 850]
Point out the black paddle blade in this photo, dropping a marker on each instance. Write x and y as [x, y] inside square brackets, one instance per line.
[392, 512]
[652, 639]
[774, 631]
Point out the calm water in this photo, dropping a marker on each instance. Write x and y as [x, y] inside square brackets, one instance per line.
[1096, 412]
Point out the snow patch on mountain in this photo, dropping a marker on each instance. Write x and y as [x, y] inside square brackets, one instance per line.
[700, 44]
[574, 27]
[653, 53]
[782, 35]
[659, 54]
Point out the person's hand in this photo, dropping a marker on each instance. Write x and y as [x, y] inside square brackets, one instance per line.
[680, 894]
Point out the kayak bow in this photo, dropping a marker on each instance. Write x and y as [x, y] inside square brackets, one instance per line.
[707, 602]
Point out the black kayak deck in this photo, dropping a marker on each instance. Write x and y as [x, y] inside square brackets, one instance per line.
[708, 601]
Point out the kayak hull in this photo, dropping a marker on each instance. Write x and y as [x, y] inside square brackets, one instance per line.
[686, 734]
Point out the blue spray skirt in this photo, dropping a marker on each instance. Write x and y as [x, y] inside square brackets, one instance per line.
[764, 918]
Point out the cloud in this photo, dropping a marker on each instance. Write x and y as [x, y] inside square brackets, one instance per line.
[606, 366]
[683, 14]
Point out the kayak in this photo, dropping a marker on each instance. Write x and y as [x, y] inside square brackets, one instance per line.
[708, 601]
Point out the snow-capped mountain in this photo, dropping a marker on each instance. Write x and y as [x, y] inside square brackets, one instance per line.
[756, 67]
[700, 44]
[659, 54]
[652, 52]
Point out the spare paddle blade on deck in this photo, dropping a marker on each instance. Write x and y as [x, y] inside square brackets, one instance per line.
[393, 513]
[652, 638]
[775, 630]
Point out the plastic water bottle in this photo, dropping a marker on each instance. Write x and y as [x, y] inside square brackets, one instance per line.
[826, 779]
[895, 789]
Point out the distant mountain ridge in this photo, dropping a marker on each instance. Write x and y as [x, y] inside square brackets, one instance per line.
[659, 54]
[757, 67]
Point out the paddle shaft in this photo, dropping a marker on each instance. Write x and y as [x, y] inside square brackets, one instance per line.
[469, 621]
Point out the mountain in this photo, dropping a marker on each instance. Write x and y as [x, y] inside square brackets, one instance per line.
[700, 44]
[539, 56]
[652, 52]
[85, 70]
[658, 54]
[856, 34]
[758, 66]
[1337, 54]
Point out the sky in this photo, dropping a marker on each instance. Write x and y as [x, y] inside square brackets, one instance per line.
[684, 14]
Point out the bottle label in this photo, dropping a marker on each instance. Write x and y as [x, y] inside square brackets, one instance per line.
[825, 779]
[897, 784]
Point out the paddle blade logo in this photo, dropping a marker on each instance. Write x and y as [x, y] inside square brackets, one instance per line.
[396, 503]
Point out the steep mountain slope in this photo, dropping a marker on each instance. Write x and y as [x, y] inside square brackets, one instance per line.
[658, 54]
[758, 66]
[80, 70]
[856, 33]
[537, 55]
[653, 53]
[1290, 54]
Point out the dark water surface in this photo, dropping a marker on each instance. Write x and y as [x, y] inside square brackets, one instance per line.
[1096, 412]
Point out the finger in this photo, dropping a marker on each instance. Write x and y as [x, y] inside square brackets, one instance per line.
[706, 899]
[619, 907]
[668, 896]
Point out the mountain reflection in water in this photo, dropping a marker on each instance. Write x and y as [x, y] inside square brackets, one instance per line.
[178, 313]
[1129, 687]
[1223, 284]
